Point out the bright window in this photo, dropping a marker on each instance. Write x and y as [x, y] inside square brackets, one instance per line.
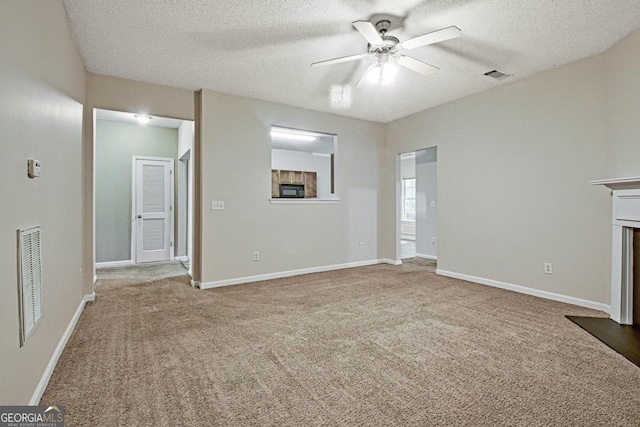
[409, 199]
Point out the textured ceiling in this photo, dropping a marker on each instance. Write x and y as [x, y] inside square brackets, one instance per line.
[263, 49]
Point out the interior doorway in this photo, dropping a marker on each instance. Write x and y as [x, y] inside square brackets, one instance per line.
[143, 195]
[417, 205]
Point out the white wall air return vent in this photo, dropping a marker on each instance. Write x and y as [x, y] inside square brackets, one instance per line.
[498, 75]
[29, 281]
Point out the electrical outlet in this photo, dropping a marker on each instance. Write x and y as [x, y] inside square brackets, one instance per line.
[217, 205]
[256, 256]
[433, 203]
[548, 268]
[433, 240]
[361, 245]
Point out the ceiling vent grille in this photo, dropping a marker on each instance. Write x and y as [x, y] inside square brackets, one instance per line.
[498, 75]
[29, 281]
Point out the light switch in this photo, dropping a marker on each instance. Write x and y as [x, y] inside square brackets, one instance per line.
[217, 205]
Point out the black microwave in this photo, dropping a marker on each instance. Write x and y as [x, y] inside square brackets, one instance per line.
[295, 191]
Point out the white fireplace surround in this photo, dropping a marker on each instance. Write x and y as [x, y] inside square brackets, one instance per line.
[626, 217]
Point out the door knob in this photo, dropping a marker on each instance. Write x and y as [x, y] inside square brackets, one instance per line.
[139, 216]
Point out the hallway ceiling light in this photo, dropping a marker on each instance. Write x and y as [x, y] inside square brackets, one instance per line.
[142, 119]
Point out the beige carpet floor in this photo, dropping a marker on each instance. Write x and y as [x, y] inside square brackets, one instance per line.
[373, 346]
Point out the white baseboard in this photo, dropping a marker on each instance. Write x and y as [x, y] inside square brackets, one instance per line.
[390, 261]
[46, 376]
[111, 264]
[195, 283]
[529, 291]
[181, 258]
[425, 256]
[281, 274]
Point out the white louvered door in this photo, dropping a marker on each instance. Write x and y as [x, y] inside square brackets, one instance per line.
[153, 209]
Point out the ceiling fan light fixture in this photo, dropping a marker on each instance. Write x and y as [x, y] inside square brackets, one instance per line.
[375, 74]
[383, 72]
[386, 49]
[388, 74]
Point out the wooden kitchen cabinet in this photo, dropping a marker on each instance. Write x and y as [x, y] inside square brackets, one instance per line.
[275, 183]
[310, 182]
[308, 179]
[290, 177]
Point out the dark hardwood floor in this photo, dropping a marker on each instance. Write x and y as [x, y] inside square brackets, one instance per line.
[624, 339]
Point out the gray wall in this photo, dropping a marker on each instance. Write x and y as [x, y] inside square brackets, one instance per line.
[622, 111]
[426, 192]
[116, 143]
[236, 155]
[42, 87]
[513, 169]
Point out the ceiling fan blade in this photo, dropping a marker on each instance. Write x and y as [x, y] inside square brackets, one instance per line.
[364, 80]
[342, 59]
[369, 32]
[417, 66]
[431, 38]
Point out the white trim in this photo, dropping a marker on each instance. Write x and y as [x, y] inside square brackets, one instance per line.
[181, 258]
[195, 283]
[528, 291]
[111, 264]
[281, 274]
[425, 256]
[285, 201]
[390, 261]
[618, 183]
[95, 279]
[172, 209]
[46, 375]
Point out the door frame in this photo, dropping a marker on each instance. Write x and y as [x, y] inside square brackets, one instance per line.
[398, 205]
[172, 214]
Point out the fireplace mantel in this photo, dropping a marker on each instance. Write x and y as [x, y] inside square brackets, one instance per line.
[619, 183]
[626, 217]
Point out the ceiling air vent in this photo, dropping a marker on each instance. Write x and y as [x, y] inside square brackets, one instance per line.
[498, 75]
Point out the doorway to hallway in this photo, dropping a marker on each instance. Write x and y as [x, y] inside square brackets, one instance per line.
[417, 205]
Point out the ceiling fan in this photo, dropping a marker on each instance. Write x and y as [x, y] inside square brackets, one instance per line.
[388, 51]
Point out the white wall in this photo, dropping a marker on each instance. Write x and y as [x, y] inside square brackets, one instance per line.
[42, 82]
[513, 170]
[303, 161]
[408, 167]
[426, 193]
[185, 137]
[236, 154]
